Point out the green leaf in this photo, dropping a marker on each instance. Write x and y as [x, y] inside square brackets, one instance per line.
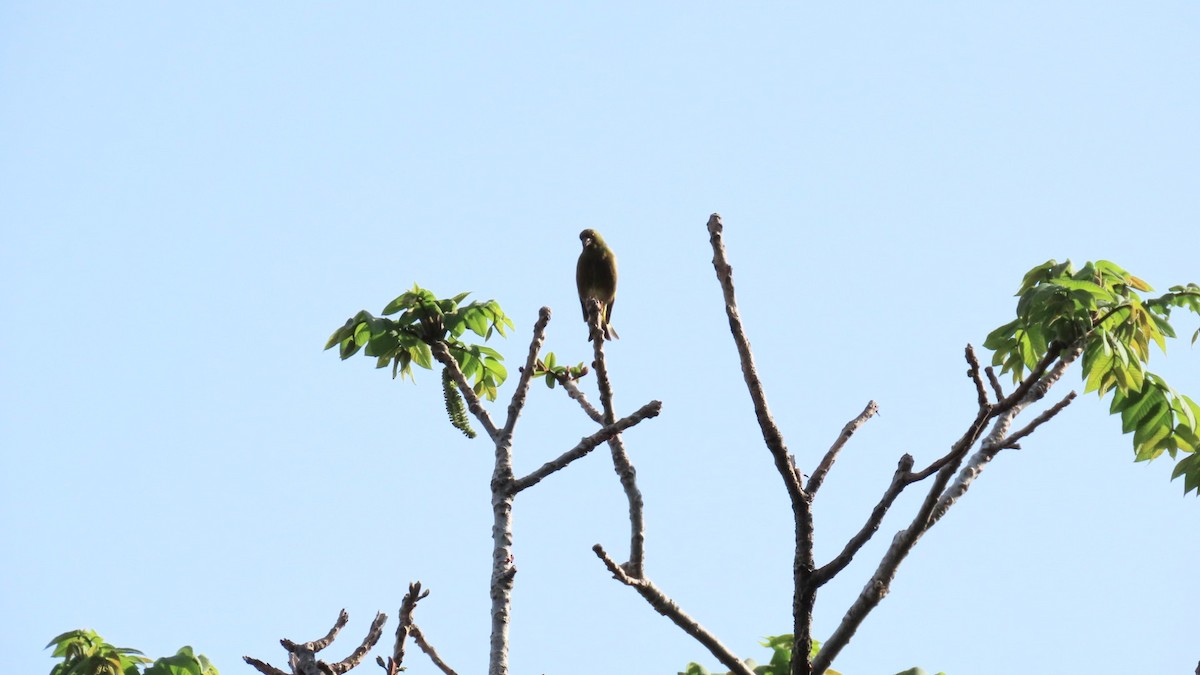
[1148, 405]
[362, 333]
[497, 368]
[1189, 468]
[340, 334]
[477, 321]
[422, 355]
[349, 348]
[483, 349]
[383, 344]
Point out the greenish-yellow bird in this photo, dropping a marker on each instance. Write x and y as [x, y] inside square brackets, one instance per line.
[596, 277]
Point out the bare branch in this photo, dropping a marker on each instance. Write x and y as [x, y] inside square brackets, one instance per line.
[878, 585]
[585, 446]
[574, 392]
[318, 645]
[419, 638]
[818, 476]
[973, 373]
[621, 464]
[1047, 414]
[407, 605]
[409, 627]
[303, 658]
[802, 563]
[670, 609]
[262, 667]
[443, 355]
[902, 478]
[940, 497]
[373, 634]
[771, 434]
[517, 403]
[995, 382]
[995, 440]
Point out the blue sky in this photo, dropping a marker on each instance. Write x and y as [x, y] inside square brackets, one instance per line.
[193, 197]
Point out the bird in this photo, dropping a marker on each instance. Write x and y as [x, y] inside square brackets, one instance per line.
[596, 277]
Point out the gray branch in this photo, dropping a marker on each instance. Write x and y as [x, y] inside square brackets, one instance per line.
[669, 608]
[585, 446]
[818, 476]
[803, 596]
[574, 393]
[940, 497]
[626, 473]
[302, 656]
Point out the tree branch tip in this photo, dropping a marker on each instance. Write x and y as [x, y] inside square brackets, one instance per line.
[714, 224]
[544, 313]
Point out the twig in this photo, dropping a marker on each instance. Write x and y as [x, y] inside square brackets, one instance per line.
[973, 373]
[818, 476]
[669, 608]
[803, 596]
[574, 392]
[443, 355]
[263, 667]
[322, 643]
[302, 656]
[585, 446]
[419, 638]
[771, 434]
[940, 497]
[407, 605]
[408, 626]
[879, 583]
[517, 403]
[902, 478]
[1006, 404]
[994, 442]
[995, 382]
[621, 464]
[356, 657]
[1013, 440]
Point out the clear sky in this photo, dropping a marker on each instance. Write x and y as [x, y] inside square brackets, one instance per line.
[193, 196]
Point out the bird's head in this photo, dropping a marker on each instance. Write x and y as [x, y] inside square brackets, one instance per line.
[591, 238]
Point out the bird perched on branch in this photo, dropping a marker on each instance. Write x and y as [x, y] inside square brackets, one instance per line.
[596, 277]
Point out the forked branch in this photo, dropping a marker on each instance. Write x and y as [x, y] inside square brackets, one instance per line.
[303, 656]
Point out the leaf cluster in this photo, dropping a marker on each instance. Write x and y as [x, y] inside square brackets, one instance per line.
[421, 319]
[424, 319]
[1099, 309]
[83, 652]
[552, 372]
